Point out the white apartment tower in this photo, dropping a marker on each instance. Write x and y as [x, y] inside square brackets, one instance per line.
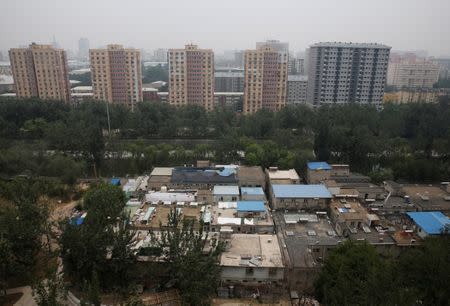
[340, 73]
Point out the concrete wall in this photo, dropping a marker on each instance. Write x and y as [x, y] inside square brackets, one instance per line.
[299, 203]
[317, 176]
[239, 274]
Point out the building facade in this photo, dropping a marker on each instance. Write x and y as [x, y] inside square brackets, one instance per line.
[412, 96]
[296, 66]
[265, 81]
[116, 75]
[413, 74]
[191, 77]
[231, 100]
[296, 89]
[341, 73]
[40, 71]
[229, 80]
[444, 67]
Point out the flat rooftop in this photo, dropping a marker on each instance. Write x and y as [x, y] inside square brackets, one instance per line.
[301, 232]
[161, 171]
[226, 190]
[282, 174]
[348, 209]
[252, 191]
[161, 213]
[350, 45]
[301, 191]
[428, 197]
[252, 250]
[225, 213]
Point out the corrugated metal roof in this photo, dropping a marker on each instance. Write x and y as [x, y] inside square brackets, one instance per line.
[301, 191]
[250, 206]
[431, 222]
[319, 166]
[252, 191]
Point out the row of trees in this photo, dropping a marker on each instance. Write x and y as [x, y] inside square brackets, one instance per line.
[410, 142]
[355, 274]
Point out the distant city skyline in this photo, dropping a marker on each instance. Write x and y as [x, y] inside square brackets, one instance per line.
[404, 25]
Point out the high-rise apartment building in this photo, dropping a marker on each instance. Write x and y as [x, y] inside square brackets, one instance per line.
[296, 90]
[417, 73]
[296, 66]
[40, 71]
[265, 79]
[340, 73]
[191, 76]
[116, 75]
[83, 48]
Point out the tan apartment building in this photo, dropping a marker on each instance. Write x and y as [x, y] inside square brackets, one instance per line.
[412, 74]
[116, 75]
[40, 71]
[265, 79]
[191, 76]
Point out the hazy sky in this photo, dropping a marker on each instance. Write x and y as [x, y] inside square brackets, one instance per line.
[227, 24]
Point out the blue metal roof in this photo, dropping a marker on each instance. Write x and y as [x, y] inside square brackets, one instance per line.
[431, 222]
[115, 181]
[301, 191]
[252, 191]
[319, 166]
[250, 206]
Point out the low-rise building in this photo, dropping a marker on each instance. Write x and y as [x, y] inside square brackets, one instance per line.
[231, 100]
[240, 217]
[252, 194]
[251, 177]
[348, 214]
[317, 172]
[430, 223]
[276, 176]
[306, 239]
[304, 197]
[155, 216]
[428, 198]
[202, 178]
[252, 259]
[226, 193]
[150, 94]
[160, 176]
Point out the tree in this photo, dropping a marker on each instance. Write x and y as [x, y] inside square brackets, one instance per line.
[23, 222]
[155, 73]
[51, 290]
[102, 243]
[190, 268]
[354, 274]
[104, 203]
[426, 270]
